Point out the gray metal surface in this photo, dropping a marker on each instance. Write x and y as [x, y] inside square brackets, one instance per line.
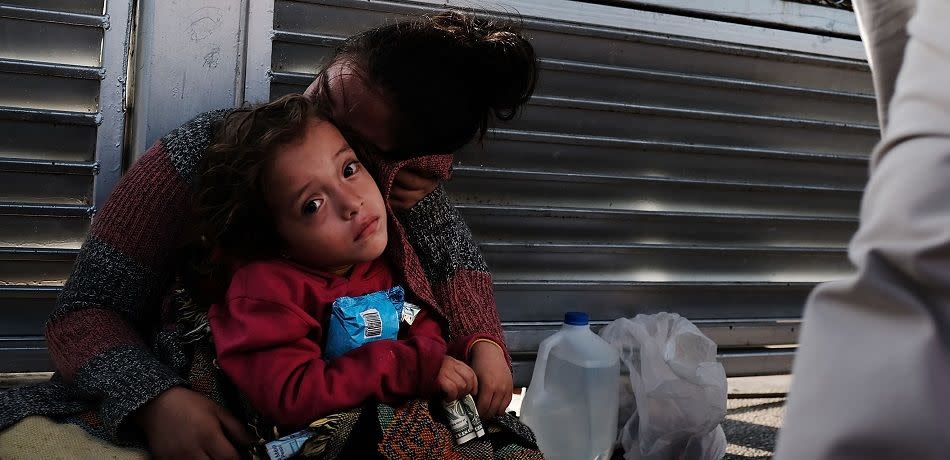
[62, 119]
[257, 71]
[737, 364]
[758, 333]
[24, 355]
[779, 13]
[656, 169]
[650, 173]
[69, 6]
[189, 59]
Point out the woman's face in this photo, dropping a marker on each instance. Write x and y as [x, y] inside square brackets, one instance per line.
[360, 108]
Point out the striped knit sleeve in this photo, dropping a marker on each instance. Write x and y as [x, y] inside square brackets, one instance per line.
[97, 332]
[456, 271]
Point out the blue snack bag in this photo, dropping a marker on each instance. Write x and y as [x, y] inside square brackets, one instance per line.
[355, 321]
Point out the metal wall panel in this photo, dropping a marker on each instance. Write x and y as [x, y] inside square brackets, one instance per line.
[70, 6]
[189, 58]
[649, 173]
[62, 87]
[779, 13]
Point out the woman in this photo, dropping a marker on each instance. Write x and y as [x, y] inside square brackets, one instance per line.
[417, 87]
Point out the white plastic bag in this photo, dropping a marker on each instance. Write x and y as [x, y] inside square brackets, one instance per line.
[676, 395]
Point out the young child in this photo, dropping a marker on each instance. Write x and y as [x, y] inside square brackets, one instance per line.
[302, 225]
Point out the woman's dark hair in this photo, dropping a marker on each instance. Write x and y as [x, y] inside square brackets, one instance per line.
[231, 211]
[447, 74]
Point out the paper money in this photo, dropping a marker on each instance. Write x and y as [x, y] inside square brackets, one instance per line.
[468, 403]
[459, 422]
[287, 446]
[409, 312]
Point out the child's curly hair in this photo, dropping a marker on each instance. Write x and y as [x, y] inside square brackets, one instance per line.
[231, 210]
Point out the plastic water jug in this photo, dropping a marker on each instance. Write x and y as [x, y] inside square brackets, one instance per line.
[573, 398]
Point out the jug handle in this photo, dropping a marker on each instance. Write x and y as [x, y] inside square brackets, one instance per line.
[540, 367]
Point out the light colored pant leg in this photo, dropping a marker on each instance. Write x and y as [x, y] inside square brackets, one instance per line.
[883, 26]
[873, 370]
[39, 438]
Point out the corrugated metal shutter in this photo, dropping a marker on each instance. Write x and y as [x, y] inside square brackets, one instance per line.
[650, 173]
[62, 70]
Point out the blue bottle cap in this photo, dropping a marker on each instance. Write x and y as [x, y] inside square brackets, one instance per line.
[576, 318]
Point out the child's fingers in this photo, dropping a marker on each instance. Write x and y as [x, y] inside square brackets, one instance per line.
[483, 403]
[492, 404]
[471, 380]
[505, 402]
[498, 404]
[452, 384]
[465, 379]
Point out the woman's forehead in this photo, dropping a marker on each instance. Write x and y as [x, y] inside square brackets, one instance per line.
[357, 106]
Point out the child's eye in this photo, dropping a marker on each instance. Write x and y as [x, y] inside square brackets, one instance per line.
[312, 206]
[351, 168]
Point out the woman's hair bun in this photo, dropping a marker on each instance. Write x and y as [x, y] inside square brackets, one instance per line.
[447, 75]
[501, 58]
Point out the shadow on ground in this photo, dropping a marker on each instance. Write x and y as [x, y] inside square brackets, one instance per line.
[751, 426]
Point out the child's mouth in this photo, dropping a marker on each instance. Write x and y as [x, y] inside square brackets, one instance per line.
[368, 228]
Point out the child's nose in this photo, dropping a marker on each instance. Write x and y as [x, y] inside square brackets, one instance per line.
[352, 203]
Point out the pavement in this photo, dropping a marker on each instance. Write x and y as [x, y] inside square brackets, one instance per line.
[751, 426]
[752, 417]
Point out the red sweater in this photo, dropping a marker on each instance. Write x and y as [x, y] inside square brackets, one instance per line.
[268, 338]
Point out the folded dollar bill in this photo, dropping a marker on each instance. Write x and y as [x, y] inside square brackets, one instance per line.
[463, 419]
[287, 446]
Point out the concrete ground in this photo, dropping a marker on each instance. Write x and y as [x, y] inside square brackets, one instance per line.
[752, 417]
[751, 427]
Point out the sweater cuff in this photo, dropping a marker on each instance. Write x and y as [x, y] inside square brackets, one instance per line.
[126, 379]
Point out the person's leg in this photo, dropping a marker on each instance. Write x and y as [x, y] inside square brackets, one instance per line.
[883, 26]
[36, 438]
[874, 362]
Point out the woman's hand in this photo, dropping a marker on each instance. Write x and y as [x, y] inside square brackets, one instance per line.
[410, 186]
[494, 379]
[183, 424]
[456, 379]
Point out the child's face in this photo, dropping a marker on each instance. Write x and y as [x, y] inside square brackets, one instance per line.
[328, 208]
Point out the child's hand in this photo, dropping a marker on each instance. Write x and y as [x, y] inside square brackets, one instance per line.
[456, 379]
[494, 378]
[183, 424]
